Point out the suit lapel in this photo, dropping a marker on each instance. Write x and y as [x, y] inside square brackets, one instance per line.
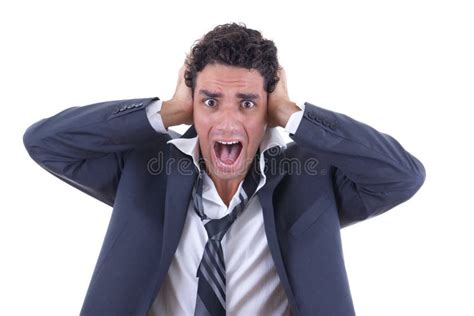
[274, 172]
[181, 178]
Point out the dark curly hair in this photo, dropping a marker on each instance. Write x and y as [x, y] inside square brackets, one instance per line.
[234, 44]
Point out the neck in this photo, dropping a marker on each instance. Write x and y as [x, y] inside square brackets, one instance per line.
[226, 188]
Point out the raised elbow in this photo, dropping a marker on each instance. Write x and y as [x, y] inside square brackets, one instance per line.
[33, 139]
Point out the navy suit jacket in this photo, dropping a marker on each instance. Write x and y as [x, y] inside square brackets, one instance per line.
[336, 172]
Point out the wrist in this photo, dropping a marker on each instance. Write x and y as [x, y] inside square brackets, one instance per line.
[172, 114]
[284, 113]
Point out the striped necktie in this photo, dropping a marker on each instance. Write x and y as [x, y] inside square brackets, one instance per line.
[210, 299]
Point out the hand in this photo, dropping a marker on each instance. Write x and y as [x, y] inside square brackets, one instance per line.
[279, 105]
[179, 109]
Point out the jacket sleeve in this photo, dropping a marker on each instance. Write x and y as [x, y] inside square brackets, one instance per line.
[372, 172]
[87, 146]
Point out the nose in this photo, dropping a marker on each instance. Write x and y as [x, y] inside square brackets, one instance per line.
[228, 121]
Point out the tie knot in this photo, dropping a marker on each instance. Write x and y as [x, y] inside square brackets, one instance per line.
[216, 228]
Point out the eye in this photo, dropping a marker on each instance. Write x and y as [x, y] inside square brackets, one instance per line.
[246, 104]
[210, 104]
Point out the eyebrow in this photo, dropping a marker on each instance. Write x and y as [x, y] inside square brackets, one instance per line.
[251, 96]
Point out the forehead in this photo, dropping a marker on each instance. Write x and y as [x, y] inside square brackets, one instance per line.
[215, 76]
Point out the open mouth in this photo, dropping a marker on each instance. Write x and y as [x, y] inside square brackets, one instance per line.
[227, 152]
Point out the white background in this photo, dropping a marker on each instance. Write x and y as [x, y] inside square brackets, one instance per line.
[404, 67]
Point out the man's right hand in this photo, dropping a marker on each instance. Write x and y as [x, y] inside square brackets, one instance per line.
[179, 109]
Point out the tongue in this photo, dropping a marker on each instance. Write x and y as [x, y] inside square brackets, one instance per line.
[229, 153]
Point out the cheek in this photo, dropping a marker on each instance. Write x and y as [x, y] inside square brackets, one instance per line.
[201, 122]
[256, 133]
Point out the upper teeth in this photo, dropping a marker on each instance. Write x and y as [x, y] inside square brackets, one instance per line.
[228, 143]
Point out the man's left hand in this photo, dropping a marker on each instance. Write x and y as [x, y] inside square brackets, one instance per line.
[279, 105]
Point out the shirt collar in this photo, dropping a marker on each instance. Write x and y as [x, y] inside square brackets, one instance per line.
[190, 146]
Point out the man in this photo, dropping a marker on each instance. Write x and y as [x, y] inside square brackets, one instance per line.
[226, 218]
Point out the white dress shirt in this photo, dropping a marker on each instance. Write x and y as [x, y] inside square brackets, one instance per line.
[252, 283]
